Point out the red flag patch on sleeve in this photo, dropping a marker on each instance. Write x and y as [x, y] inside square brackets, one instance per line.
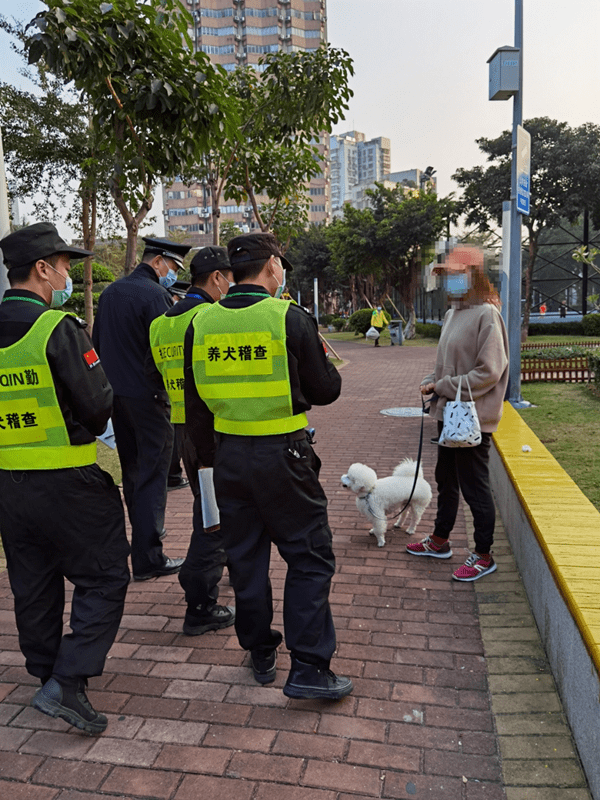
[91, 358]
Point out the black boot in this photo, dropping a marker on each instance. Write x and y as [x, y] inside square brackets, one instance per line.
[264, 665]
[69, 701]
[198, 621]
[308, 682]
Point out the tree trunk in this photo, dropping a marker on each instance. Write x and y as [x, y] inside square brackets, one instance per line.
[410, 327]
[216, 212]
[88, 225]
[132, 223]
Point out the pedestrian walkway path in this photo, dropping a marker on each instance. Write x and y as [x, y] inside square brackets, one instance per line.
[453, 698]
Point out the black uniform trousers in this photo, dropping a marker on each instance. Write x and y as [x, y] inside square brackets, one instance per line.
[268, 491]
[57, 524]
[466, 470]
[144, 437]
[203, 566]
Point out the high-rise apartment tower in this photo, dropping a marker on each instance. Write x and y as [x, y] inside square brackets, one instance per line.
[233, 32]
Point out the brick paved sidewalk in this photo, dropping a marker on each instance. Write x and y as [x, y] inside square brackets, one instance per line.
[186, 719]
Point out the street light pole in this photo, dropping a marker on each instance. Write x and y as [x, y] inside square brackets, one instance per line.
[514, 284]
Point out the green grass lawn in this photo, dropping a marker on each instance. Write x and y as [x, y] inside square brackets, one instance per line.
[565, 419]
[108, 460]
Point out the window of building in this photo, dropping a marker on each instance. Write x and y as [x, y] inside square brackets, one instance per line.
[262, 48]
[306, 34]
[317, 190]
[270, 31]
[211, 12]
[229, 31]
[260, 12]
[318, 209]
[218, 51]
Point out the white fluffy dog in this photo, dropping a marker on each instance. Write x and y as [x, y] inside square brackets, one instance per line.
[375, 496]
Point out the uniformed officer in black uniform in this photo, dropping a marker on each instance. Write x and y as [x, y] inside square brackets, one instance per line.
[61, 516]
[141, 414]
[202, 569]
[253, 366]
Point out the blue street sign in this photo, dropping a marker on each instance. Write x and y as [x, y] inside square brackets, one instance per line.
[523, 193]
[523, 170]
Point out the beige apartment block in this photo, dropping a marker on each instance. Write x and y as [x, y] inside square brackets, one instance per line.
[239, 32]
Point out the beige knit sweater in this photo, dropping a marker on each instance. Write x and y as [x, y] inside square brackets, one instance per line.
[474, 343]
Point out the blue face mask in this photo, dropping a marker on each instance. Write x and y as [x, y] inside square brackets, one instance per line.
[168, 279]
[457, 285]
[60, 296]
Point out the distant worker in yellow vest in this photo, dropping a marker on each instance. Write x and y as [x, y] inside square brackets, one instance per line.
[203, 566]
[254, 366]
[61, 516]
[378, 321]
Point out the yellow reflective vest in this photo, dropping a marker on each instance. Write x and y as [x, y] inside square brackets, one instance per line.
[240, 366]
[33, 434]
[378, 319]
[167, 334]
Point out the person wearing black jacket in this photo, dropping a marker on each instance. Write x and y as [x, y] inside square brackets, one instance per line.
[203, 566]
[141, 414]
[253, 366]
[61, 516]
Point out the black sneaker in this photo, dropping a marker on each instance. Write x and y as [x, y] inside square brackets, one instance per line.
[179, 483]
[218, 617]
[310, 682]
[264, 666]
[71, 704]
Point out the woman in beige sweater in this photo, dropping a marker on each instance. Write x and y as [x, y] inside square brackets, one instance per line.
[474, 344]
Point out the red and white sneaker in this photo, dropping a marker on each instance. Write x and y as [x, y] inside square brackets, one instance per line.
[475, 567]
[427, 547]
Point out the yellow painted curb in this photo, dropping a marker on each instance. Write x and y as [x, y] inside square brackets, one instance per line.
[564, 521]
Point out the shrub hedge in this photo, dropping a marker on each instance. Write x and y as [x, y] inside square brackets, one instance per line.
[591, 325]
[429, 330]
[360, 321]
[100, 273]
[557, 329]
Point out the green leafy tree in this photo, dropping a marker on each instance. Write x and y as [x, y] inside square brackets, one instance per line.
[283, 111]
[564, 179]
[156, 106]
[387, 241]
[310, 254]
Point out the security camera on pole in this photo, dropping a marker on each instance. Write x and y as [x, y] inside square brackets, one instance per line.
[506, 80]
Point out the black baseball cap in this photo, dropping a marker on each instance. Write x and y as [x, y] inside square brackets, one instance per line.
[254, 249]
[35, 242]
[209, 259]
[163, 247]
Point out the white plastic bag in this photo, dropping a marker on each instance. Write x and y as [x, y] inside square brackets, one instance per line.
[372, 333]
[461, 424]
[210, 509]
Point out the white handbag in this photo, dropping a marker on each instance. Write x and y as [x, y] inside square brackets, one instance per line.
[372, 333]
[461, 424]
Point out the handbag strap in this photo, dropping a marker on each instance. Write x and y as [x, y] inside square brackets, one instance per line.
[459, 390]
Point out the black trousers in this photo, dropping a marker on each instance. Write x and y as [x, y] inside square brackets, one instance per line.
[203, 566]
[268, 491]
[175, 470]
[466, 470]
[57, 524]
[144, 436]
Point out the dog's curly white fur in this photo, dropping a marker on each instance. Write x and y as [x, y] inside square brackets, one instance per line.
[376, 496]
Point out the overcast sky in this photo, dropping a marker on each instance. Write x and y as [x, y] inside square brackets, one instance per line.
[421, 77]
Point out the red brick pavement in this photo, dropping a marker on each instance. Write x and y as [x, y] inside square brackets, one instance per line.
[186, 719]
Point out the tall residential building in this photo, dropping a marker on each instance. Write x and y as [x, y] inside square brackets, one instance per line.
[356, 162]
[239, 32]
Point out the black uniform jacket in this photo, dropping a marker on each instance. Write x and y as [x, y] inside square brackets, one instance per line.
[313, 380]
[194, 297]
[84, 394]
[121, 329]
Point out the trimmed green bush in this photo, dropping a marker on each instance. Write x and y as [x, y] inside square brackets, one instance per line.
[557, 329]
[76, 303]
[428, 330]
[591, 325]
[338, 323]
[325, 319]
[360, 321]
[555, 352]
[594, 364]
[100, 273]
